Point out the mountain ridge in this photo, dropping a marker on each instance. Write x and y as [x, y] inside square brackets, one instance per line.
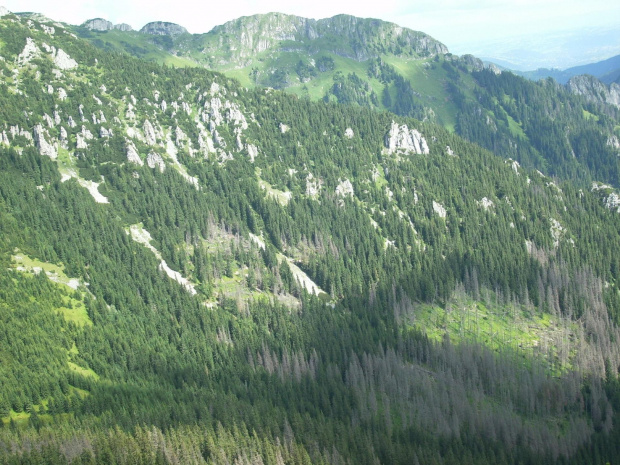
[607, 71]
[353, 61]
[197, 271]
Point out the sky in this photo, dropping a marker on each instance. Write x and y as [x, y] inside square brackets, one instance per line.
[465, 26]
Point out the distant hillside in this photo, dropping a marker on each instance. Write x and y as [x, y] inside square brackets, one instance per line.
[607, 71]
[560, 49]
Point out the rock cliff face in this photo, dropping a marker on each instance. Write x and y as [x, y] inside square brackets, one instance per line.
[349, 36]
[102, 25]
[98, 24]
[123, 27]
[162, 28]
[401, 138]
[4, 11]
[594, 90]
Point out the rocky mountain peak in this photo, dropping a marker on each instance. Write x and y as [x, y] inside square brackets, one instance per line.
[102, 25]
[347, 36]
[123, 27]
[4, 11]
[98, 24]
[162, 28]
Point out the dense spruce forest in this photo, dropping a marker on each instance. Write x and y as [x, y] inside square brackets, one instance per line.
[197, 272]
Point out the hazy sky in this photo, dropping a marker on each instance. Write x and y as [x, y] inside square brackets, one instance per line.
[457, 23]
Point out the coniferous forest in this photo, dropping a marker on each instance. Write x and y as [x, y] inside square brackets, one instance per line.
[192, 271]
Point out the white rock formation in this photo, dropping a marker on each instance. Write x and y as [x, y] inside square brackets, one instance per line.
[63, 137]
[93, 188]
[81, 143]
[30, 51]
[217, 139]
[258, 241]
[401, 138]
[155, 160]
[86, 133]
[45, 148]
[515, 166]
[301, 277]
[179, 137]
[62, 94]
[123, 27]
[613, 202]
[556, 231]
[485, 203]
[129, 114]
[594, 90]
[98, 24]
[178, 277]
[313, 186]
[345, 188]
[64, 61]
[149, 133]
[439, 209]
[348, 133]
[132, 153]
[597, 186]
[143, 237]
[47, 118]
[252, 152]
[284, 128]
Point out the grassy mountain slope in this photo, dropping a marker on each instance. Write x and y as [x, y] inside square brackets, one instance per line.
[194, 272]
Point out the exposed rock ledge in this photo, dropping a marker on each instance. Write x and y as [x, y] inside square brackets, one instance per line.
[102, 25]
[594, 90]
[401, 138]
[162, 28]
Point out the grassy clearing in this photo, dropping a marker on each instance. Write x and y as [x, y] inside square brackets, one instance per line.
[86, 372]
[282, 197]
[499, 326]
[429, 79]
[589, 116]
[73, 309]
[515, 128]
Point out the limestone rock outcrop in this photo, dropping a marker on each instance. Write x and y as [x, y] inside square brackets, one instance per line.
[401, 138]
[45, 148]
[102, 25]
[594, 90]
[98, 24]
[162, 28]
